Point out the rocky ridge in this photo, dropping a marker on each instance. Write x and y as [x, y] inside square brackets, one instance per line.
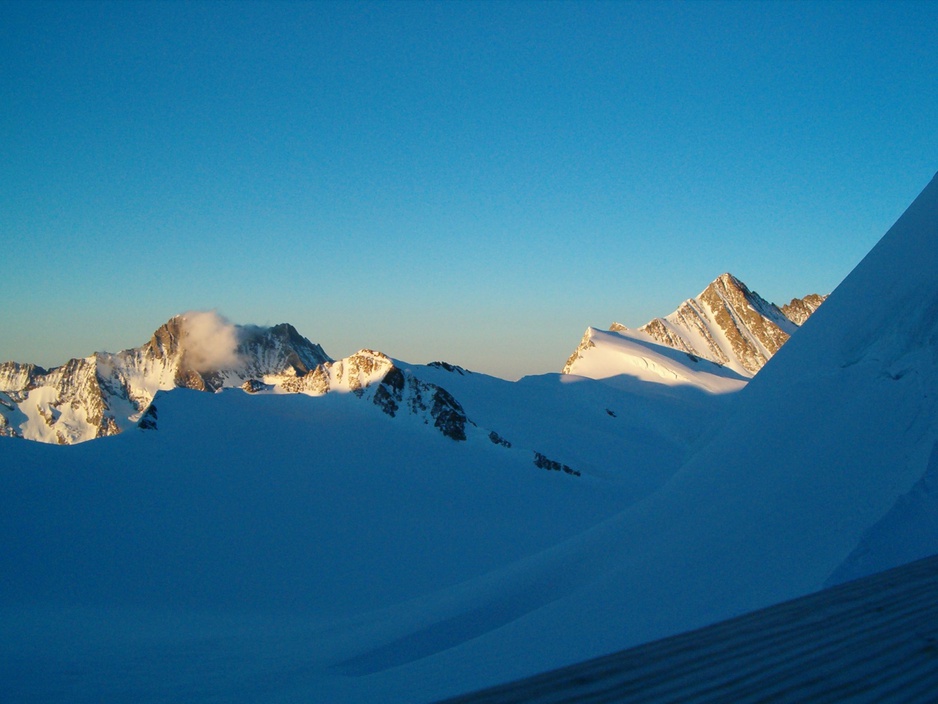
[105, 394]
[373, 376]
[800, 309]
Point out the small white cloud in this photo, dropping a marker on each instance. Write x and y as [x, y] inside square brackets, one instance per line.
[209, 341]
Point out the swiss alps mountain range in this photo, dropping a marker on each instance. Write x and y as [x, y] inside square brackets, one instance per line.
[728, 326]
[364, 529]
[106, 393]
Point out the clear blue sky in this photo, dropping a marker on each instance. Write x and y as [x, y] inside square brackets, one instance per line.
[475, 182]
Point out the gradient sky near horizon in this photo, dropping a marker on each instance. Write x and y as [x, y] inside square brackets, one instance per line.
[470, 181]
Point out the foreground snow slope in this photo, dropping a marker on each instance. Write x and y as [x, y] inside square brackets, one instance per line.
[833, 434]
[246, 521]
[826, 440]
[871, 640]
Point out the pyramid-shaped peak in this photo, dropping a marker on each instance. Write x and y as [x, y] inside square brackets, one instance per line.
[729, 284]
[727, 279]
[727, 323]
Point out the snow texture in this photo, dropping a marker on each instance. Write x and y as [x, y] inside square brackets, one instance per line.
[872, 640]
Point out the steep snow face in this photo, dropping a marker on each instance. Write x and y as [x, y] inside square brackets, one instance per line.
[828, 451]
[869, 641]
[824, 469]
[727, 324]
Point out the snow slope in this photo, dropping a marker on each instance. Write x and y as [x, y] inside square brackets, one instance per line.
[620, 356]
[249, 543]
[868, 641]
[630, 431]
[827, 440]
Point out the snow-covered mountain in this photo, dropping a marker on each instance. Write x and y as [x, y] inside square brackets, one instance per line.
[106, 393]
[727, 324]
[637, 435]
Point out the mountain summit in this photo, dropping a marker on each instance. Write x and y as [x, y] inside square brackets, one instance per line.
[105, 393]
[727, 324]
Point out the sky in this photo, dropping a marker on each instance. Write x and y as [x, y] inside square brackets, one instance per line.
[476, 182]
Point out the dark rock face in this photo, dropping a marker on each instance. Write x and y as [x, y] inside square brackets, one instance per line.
[498, 439]
[543, 462]
[450, 418]
[397, 390]
[253, 386]
[388, 394]
[453, 368]
[191, 379]
[148, 420]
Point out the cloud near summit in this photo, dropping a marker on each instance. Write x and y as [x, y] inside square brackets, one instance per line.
[210, 341]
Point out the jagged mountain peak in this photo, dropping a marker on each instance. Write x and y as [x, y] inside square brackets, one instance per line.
[104, 393]
[728, 280]
[727, 324]
[209, 342]
[730, 324]
[799, 310]
[290, 349]
[165, 339]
